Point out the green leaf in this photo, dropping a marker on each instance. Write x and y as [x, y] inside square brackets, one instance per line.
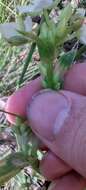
[67, 59]
[43, 69]
[29, 35]
[47, 42]
[27, 62]
[11, 165]
[66, 13]
[17, 40]
[62, 31]
[21, 182]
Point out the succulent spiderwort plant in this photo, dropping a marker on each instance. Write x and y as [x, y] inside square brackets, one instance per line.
[49, 37]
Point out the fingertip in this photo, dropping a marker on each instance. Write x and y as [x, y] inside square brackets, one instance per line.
[19, 100]
[53, 167]
[71, 181]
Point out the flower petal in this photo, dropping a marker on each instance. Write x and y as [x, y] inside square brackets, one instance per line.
[8, 30]
[80, 12]
[35, 7]
[28, 24]
[22, 9]
[83, 34]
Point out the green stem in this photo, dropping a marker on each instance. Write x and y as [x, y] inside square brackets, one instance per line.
[46, 70]
[28, 59]
[32, 49]
[13, 114]
[50, 82]
[46, 16]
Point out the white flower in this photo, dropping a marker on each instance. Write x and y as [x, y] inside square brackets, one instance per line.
[74, 3]
[9, 30]
[28, 24]
[35, 7]
[80, 12]
[83, 34]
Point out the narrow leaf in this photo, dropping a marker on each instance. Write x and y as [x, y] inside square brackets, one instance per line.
[17, 40]
[11, 165]
[67, 59]
[66, 13]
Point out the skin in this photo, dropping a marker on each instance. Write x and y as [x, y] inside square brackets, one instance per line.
[59, 120]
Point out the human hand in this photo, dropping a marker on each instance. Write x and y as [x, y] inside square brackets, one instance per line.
[58, 119]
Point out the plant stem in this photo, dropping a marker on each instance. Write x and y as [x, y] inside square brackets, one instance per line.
[32, 49]
[28, 59]
[13, 114]
[46, 16]
[50, 75]
[46, 70]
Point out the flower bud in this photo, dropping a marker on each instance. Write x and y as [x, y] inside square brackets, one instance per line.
[47, 42]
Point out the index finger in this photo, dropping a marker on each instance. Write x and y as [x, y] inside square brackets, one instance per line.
[18, 101]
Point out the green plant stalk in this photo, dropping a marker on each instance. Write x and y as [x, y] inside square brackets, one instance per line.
[29, 57]
[28, 60]
[46, 70]
[46, 16]
[13, 114]
[50, 83]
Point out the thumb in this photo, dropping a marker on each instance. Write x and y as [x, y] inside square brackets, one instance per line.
[59, 120]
